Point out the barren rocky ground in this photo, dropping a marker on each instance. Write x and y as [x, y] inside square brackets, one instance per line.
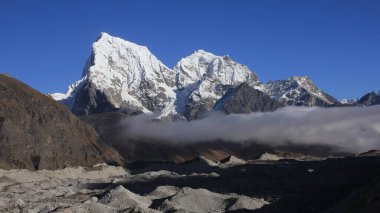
[269, 184]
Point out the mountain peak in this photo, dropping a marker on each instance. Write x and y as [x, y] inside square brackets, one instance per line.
[121, 75]
[198, 54]
[202, 64]
[298, 78]
[297, 90]
[103, 35]
[201, 55]
[200, 51]
[127, 74]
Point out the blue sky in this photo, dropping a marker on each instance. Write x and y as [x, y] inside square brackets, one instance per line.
[335, 42]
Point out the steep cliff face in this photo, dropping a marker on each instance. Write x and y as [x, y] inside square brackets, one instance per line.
[36, 132]
[120, 75]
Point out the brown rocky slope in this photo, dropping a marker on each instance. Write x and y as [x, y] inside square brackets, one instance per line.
[36, 132]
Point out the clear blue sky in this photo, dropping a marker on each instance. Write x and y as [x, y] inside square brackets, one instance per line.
[335, 42]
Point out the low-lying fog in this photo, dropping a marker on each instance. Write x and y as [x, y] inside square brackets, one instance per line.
[354, 129]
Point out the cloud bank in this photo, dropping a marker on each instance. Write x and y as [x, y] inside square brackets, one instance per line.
[353, 129]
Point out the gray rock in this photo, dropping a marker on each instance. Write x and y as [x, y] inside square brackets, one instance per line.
[246, 99]
[369, 99]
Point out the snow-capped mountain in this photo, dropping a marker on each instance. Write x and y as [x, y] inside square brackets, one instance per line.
[349, 101]
[120, 75]
[297, 91]
[203, 78]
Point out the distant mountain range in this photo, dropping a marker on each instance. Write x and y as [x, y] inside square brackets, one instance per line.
[127, 79]
[122, 76]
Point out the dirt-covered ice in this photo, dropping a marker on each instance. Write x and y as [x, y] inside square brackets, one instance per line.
[100, 189]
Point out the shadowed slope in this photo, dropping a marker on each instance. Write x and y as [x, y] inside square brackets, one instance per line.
[36, 132]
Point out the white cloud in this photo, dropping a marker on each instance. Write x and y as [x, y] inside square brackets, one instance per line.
[353, 129]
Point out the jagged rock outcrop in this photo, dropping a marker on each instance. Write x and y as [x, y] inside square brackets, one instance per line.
[37, 132]
[246, 99]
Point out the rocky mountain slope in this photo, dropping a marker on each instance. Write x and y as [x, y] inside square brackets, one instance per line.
[369, 99]
[246, 99]
[203, 79]
[298, 91]
[36, 132]
[123, 76]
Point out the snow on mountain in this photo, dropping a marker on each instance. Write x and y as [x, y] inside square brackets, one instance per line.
[68, 98]
[202, 64]
[121, 75]
[203, 78]
[296, 90]
[127, 75]
[349, 101]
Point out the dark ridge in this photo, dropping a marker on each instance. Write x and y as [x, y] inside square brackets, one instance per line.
[36, 132]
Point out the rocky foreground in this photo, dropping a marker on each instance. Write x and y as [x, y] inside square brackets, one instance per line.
[269, 184]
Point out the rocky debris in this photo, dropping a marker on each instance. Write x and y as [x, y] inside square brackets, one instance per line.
[277, 186]
[36, 132]
[75, 190]
[269, 157]
[121, 198]
[47, 190]
[199, 161]
[207, 201]
[232, 161]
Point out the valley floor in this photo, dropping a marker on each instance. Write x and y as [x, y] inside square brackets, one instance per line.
[266, 185]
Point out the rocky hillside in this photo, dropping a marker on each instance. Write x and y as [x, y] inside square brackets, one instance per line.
[37, 132]
[123, 76]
